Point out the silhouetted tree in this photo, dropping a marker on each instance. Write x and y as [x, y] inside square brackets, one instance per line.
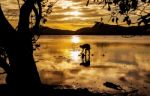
[126, 8]
[16, 46]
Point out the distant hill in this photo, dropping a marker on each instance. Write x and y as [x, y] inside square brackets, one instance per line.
[98, 29]
[51, 31]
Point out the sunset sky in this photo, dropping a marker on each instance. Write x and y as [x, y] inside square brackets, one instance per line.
[67, 14]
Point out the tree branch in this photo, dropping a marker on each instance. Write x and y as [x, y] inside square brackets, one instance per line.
[6, 29]
[25, 11]
[38, 16]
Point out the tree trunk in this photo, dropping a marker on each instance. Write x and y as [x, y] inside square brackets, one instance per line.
[23, 77]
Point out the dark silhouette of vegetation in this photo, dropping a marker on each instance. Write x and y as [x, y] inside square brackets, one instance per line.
[16, 50]
[54, 90]
[126, 8]
[17, 45]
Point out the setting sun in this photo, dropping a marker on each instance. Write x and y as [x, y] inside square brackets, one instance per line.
[75, 13]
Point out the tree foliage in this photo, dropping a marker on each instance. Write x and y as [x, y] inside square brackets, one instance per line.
[126, 8]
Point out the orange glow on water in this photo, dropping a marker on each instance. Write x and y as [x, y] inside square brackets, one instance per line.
[75, 55]
[75, 39]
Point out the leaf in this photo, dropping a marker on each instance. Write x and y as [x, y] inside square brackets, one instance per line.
[37, 45]
[109, 8]
[43, 5]
[50, 6]
[115, 1]
[44, 20]
[117, 20]
[120, 12]
[113, 19]
[109, 2]
[122, 8]
[125, 18]
[134, 4]
[129, 22]
[87, 2]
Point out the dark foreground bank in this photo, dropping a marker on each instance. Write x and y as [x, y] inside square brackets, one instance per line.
[53, 90]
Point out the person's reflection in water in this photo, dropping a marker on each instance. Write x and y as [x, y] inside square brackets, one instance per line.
[84, 56]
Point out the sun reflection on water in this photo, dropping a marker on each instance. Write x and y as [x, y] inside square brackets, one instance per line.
[75, 55]
[75, 39]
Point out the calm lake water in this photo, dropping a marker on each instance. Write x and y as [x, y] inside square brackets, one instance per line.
[123, 61]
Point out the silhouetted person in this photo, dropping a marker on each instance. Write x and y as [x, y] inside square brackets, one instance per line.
[85, 48]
